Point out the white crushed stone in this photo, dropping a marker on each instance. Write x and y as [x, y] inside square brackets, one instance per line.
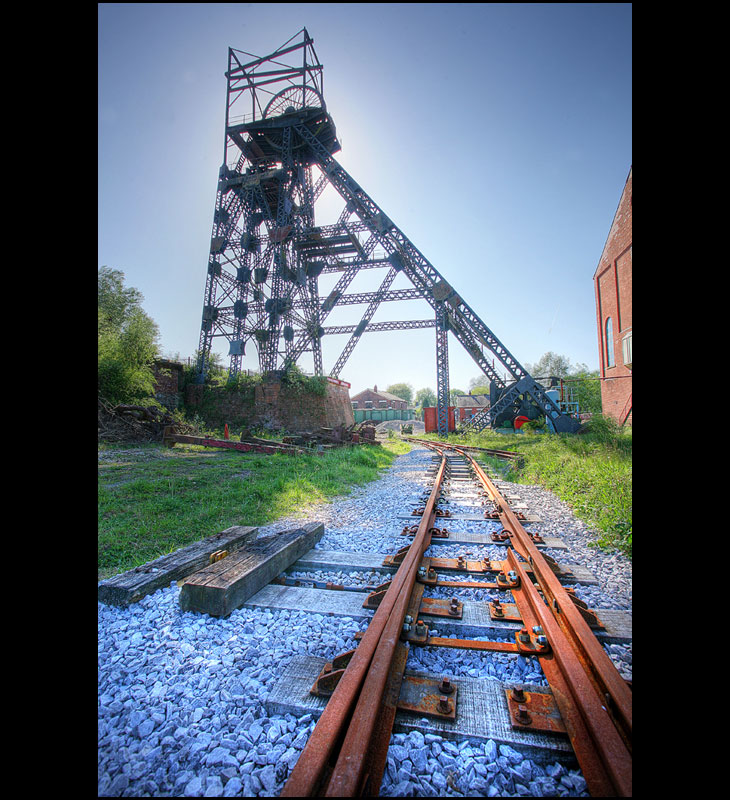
[181, 696]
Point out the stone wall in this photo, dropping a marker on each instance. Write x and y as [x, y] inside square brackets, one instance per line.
[271, 406]
[167, 382]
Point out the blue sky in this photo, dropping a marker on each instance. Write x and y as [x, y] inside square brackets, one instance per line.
[496, 136]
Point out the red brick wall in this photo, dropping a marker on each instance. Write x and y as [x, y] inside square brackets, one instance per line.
[370, 395]
[167, 383]
[273, 408]
[612, 283]
[303, 412]
[166, 378]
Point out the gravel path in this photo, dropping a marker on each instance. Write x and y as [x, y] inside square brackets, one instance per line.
[181, 695]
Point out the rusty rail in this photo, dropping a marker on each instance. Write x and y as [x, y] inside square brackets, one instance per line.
[170, 439]
[594, 700]
[507, 455]
[345, 754]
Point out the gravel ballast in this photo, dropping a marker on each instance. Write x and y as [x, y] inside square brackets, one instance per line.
[181, 695]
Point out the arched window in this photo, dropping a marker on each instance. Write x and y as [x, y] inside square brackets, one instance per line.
[610, 360]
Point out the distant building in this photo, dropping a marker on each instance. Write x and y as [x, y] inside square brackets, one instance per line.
[467, 405]
[372, 398]
[612, 282]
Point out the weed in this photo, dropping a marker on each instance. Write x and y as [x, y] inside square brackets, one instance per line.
[591, 472]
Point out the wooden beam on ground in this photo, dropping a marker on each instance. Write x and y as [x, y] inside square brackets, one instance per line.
[225, 585]
[131, 586]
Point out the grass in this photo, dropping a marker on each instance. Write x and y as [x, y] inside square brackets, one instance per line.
[153, 500]
[590, 472]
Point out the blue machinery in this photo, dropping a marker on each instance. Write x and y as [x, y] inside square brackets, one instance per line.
[267, 254]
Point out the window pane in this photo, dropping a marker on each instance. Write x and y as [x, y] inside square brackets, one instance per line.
[610, 360]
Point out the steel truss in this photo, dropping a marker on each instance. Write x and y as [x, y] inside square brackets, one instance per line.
[267, 254]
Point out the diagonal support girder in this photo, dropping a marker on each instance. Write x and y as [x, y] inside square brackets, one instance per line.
[458, 316]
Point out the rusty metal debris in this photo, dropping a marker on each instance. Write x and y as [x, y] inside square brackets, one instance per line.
[171, 438]
[305, 441]
[340, 435]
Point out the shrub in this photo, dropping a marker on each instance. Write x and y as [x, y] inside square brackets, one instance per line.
[295, 381]
[604, 429]
[127, 341]
[533, 425]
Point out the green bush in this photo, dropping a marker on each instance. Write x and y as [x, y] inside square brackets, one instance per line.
[294, 381]
[243, 383]
[127, 341]
[603, 429]
[534, 425]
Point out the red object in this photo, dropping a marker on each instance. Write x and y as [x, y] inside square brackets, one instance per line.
[520, 421]
[225, 432]
[430, 419]
[338, 382]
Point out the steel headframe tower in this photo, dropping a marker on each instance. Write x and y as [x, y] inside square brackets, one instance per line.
[267, 254]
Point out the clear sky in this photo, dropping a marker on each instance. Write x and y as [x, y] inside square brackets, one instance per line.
[497, 137]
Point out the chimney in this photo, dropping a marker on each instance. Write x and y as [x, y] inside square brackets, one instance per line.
[375, 388]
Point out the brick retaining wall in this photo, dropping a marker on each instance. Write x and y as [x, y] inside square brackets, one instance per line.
[271, 407]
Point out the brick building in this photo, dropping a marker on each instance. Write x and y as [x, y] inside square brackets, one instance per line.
[372, 398]
[467, 405]
[612, 284]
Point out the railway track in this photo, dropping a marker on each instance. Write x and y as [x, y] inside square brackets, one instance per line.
[589, 702]
[418, 604]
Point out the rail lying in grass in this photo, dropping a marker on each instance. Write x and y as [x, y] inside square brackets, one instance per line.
[170, 439]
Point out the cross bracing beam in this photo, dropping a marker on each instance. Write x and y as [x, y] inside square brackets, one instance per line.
[379, 327]
[354, 299]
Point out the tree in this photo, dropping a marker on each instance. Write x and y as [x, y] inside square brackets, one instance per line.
[402, 390]
[587, 389]
[425, 398]
[583, 383]
[115, 302]
[453, 394]
[550, 364]
[127, 341]
[479, 385]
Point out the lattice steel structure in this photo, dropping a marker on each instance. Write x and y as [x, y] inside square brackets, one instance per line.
[267, 254]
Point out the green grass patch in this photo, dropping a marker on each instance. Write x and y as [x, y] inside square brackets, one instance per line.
[591, 472]
[153, 500]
